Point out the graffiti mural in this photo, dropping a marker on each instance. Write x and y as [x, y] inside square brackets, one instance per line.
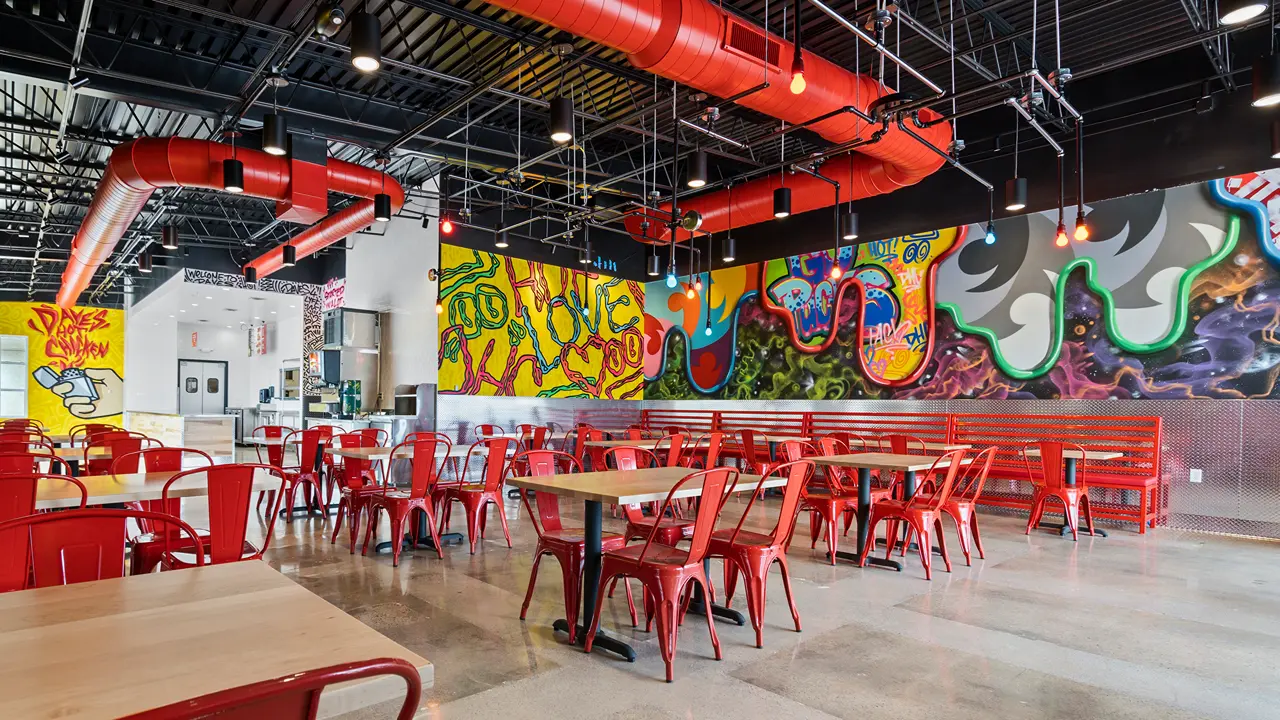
[707, 325]
[74, 362]
[1176, 294]
[513, 327]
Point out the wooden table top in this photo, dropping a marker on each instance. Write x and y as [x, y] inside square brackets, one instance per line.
[625, 487]
[117, 647]
[884, 461]
[1075, 454]
[384, 453]
[133, 487]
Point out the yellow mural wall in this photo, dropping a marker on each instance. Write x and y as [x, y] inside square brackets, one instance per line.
[514, 327]
[74, 362]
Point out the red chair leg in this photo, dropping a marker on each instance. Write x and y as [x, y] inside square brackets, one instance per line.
[397, 534]
[1087, 512]
[502, 516]
[571, 576]
[786, 586]
[815, 528]
[337, 525]
[533, 579]
[356, 509]
[977, 536]
[756, 578]
[833, 537]
[709, 593]
[942, 542]
[926, 550]
[374, 512]
[962, 532]
[473, 511]
[428, 509]
[730, 580]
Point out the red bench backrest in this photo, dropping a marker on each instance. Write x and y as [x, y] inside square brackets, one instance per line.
[1138, 437]
[930, 427]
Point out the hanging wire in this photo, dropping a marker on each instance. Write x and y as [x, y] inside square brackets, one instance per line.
[1035, 24]
[1057, 32]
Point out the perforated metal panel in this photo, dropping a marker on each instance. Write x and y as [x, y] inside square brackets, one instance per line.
[457, 415]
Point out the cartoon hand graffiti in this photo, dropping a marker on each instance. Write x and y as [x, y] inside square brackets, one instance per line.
[89, 393]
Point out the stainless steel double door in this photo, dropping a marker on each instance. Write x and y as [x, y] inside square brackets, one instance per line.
[202, 387]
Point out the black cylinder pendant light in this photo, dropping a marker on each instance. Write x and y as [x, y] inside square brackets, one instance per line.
[561, 126]
[232, 175]
[730, 250]
[250, 274]
[697, 169]
[169, 237]
[781, 202]
[366, 42]
[290, 256]
[655, 265]
[275, 134]
[501, 239]
[382, 207]
[849, 225]
[1015, 193]
[1266, 80]
[144, 262]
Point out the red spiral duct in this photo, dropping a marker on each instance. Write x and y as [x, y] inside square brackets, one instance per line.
[136, 169]
[699, 45]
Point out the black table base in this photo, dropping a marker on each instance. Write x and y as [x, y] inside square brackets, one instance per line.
[424, 543]
[602, 641]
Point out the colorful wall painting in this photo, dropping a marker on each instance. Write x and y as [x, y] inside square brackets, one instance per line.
[1173, 296]
[74, 362]
[514, 327]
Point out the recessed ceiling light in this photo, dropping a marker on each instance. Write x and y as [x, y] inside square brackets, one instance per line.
[292, 307]
[255, 317]
[228, 327]
[172, 316]
[273, 312]
[208, 297]
[182, 311]
[195, 304]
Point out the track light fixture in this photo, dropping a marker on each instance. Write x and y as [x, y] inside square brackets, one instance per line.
[250, 274]
[144, 261]
[1235, 12]
[275, 129]
[169, 237]
[426, 222]
[329, 18]
[730, 250]
[290, 256]
[366, 41]
[781, 202]
[698, 169]
[561, 127]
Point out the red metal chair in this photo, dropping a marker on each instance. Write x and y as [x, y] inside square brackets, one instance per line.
[668, 573]
[484, 432]
[78, 546]
[115, 443]
[149, 546]
[401, 505]
[27, 461]
[22, 443]
[81, 433]
[670, 448]
[922, 513]
[306, 473]
[291, 696]
[670, 530]
[753, 553]
[357, 485]
[834, 497]
[963, 504]
[1050, 483]
[708, 446]
[568, 545]
[18, 500]
[229, 487]
[532, 437]
[753, 464]
[476, 498]
[275, 452]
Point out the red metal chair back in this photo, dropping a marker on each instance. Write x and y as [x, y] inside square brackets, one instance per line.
[533, 437]
[544, 463]
[275, 453]
[483, 432]
[83, 432]
[714, 484]
[747, 439]
[17, 500]
[115, 442]
[903, 445]
[1052, 455]
[308, 444]
[798, 474]
[835, 475]
[379, 436]
[354, 468]
[709, 445]
[26, 461]
[674, 447]
[934, 501]
[422, 463]
[160, 459]
[596, 454]
[854, 442]
[81, 545]
[15, 444]
[675, 430]
[628, 458]
[974, 476]
[793, 450]
[440, 439]
[495, 462]
[229, 490]
[291, 696]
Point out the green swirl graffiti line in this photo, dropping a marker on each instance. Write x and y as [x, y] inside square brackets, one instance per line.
[1180, 310]
[453, 277]
[487, 311]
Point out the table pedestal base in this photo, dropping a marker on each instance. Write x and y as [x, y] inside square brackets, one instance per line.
[602, 641]
[1065, 530]
[698, 606]
[424, 543]
[871, 560]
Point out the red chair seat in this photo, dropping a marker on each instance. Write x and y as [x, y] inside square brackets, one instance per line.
[670, 530]
[181, 559]
[577, 536]
[657, 555]
[745, 537]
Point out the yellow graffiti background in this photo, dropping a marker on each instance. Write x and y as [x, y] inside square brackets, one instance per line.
[515, 327]
[80, 339]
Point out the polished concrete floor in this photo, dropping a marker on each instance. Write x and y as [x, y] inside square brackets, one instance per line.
[1164, 626]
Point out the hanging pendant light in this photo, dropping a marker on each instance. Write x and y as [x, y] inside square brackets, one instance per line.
[1015, 194]
[698, 169]
[169, 237]
[561, 127]
[382, 207]
[730, 250]
[366, 41]
[1060, 237]
[290, 256]
[1235, 12]
[990, 237]
[798, 83]
[501, 239]
[439, 307]
[144, 262]
[1275, 140]
[849, 225]
[1266, 81]
[781, 202]
[655, 265]
[232, 175]
[250, 274]
[275, 134]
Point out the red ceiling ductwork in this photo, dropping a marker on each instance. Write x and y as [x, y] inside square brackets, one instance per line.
[699, 45]
[136, 169]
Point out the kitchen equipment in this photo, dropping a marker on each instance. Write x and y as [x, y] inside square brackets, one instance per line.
[352, 329]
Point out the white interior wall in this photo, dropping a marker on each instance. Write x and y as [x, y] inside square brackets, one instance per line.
[200, 341]
[150, 353]
[388, 274]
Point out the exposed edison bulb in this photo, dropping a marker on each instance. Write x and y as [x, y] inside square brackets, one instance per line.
[1082, 230]
[689, 293]
[697, 284]
[836, 272]
[439, 309]
[671, 280]
[707, 330]
[1061, 238]
[798, 83]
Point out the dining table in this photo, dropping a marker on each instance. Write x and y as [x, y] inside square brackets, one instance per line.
[627, 487]
[864, 463]
[117, 647]
[132, 487]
